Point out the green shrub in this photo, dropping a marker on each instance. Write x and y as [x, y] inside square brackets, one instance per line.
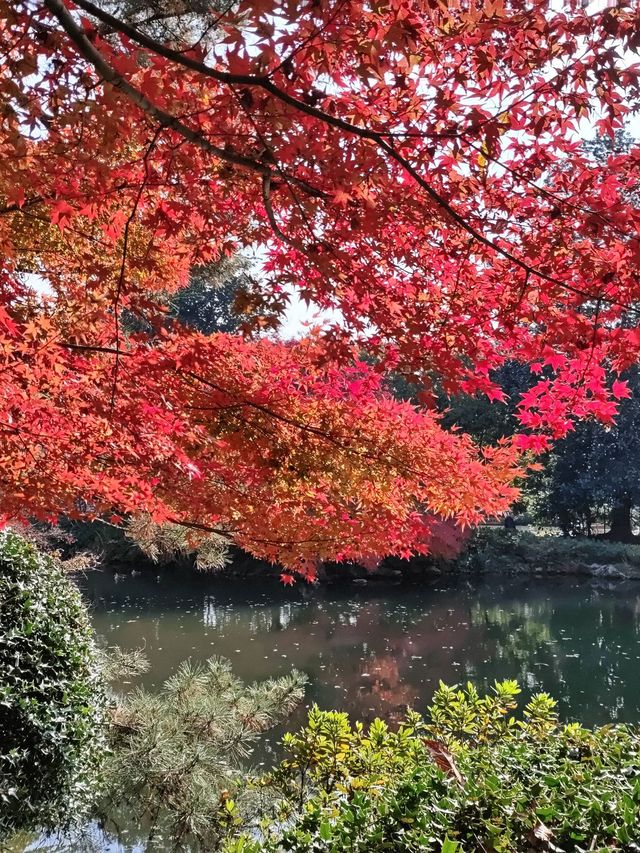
[51, 702]
[499, 549]
[469, 778]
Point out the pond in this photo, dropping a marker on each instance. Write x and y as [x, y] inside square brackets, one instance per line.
[375, 650]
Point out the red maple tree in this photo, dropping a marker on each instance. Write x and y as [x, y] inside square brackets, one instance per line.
[416, 166]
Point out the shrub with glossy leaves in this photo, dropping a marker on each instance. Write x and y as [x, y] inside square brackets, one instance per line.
[51, 701]
[470, 778]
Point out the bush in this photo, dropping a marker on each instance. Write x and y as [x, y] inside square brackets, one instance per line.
[51, 702]
[468, 779]
[498, 549]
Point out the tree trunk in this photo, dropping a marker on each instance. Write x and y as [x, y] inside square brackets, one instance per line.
[621, 520]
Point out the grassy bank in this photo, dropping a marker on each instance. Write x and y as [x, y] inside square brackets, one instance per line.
[497, 550]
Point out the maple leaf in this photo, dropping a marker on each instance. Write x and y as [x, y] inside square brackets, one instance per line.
[554, 360]
[416, 214]
[536, 443]
[8, 323]
[61, 213]
[620, 389]
[496, 394]
[341, 197]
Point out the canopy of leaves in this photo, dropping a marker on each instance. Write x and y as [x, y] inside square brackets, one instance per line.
[416, 167]
[51, 699]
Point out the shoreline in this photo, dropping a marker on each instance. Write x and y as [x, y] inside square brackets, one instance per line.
[491, 552]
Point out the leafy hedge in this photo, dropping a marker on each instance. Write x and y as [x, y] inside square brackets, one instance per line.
[496, 549]
[51, 702]
[468, 779]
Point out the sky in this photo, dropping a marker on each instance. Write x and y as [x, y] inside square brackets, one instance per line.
[300, 316]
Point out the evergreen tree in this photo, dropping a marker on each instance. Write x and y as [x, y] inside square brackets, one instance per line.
[178, 761]
[593, 474]
[217, 298]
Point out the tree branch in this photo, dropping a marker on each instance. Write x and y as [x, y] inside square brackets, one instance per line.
[165, 119]
[266, 198]
[264, 82]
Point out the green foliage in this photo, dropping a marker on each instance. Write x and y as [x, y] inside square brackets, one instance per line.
[217, 298]
[176, 765]
[51, 701]
[330, 754]
[497, 549]
[141, 543]
[470, 778]
[485, 420]
[109, 544]
[591, 476]
[595, 470]
[166, 543]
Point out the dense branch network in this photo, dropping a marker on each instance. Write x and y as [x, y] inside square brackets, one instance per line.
[417, 168]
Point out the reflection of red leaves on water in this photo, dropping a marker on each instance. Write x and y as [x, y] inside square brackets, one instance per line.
[390, 687]
[379, 664]
[444, 759]
[386, 668]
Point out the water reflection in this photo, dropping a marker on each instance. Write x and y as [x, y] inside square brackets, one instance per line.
[373, 651]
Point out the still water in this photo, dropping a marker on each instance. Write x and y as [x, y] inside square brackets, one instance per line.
[375, 650]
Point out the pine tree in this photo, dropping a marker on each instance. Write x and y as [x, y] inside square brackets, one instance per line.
[178, 762]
